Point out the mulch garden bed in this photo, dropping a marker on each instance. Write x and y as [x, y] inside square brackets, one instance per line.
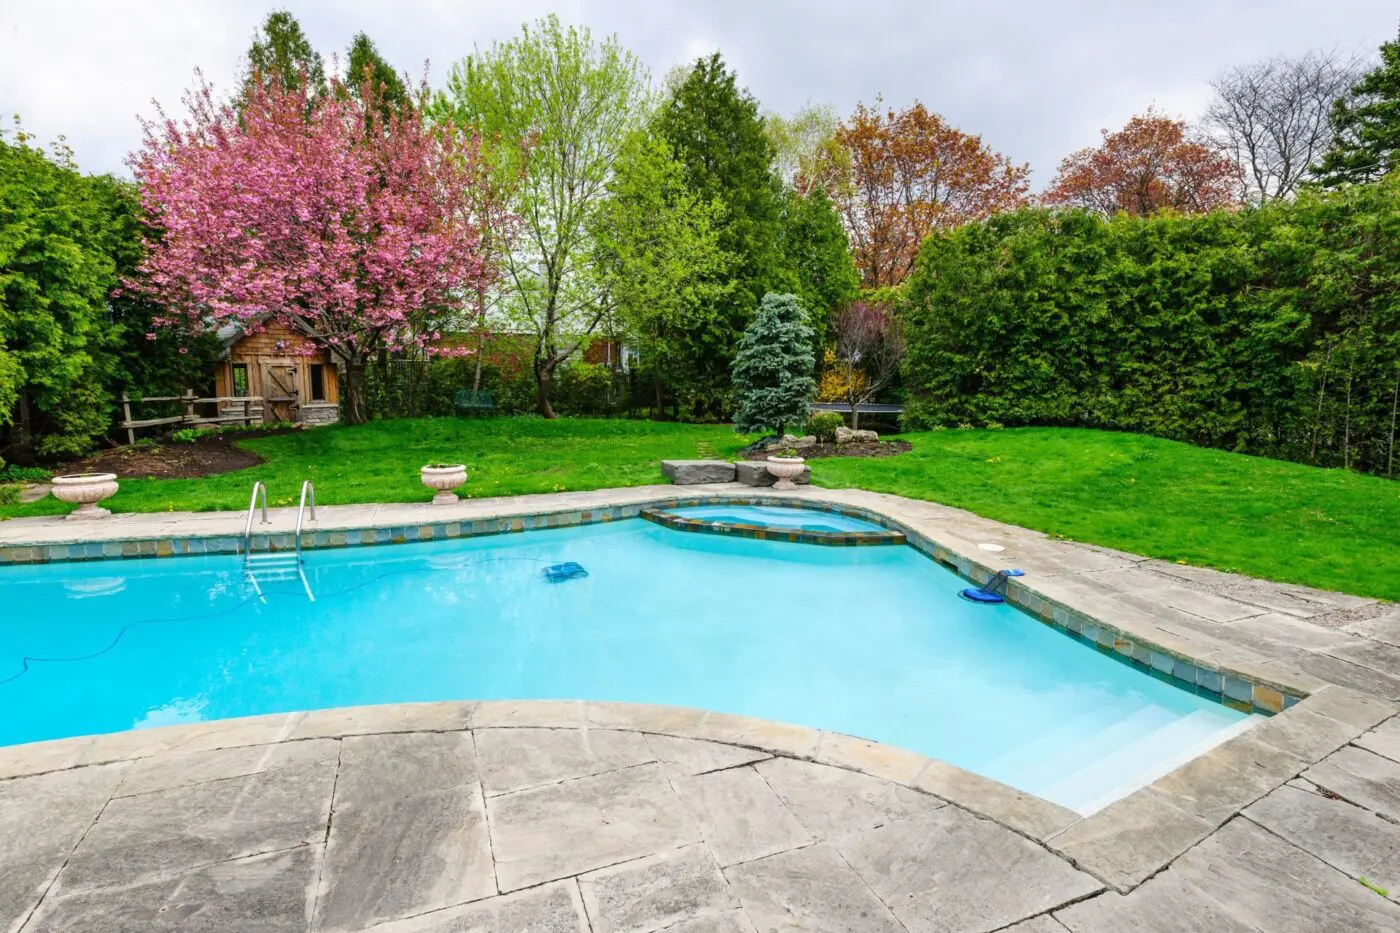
[860, 449]
[208, 456]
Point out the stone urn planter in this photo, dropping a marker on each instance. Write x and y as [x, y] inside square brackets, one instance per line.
[85, 489]
[784, 470]
[444, 478]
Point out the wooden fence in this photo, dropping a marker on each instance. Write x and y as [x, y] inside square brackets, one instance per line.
[246, 409]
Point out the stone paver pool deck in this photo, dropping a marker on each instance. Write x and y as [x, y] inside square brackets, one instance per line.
[584, 816]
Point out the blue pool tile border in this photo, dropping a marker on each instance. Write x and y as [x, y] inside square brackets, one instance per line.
[1232, 689]
[662, 516]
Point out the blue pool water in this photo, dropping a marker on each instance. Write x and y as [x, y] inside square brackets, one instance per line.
[797, 519]
[868, 641]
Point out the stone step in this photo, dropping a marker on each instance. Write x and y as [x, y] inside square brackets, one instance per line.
[693, 472]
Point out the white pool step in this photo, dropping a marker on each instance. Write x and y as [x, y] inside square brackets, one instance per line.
[1092, 747]
[1131, 753]
[1050, 741]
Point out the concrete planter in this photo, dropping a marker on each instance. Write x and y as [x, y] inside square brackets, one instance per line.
[444, 479]
[785, 470]
[85, 489]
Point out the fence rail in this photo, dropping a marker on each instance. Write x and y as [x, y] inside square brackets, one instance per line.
[248, 410]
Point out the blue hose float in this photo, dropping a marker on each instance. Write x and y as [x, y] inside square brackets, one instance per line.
[991, 592]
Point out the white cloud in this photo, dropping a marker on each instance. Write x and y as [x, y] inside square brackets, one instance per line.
[1037, 80]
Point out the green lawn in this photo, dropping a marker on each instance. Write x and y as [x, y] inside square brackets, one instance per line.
[1284, 521]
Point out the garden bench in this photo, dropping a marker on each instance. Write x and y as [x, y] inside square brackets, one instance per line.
[474, 402]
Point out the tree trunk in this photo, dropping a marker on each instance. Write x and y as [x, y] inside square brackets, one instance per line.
[855, 416]
[352, 406]
[480, 338]
[658, 407]
[544, 374]
[480, 352]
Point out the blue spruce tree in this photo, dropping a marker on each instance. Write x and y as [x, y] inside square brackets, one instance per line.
[773, 370]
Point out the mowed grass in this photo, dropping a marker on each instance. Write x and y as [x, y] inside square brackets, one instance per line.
[1282, 521]
[379, 462]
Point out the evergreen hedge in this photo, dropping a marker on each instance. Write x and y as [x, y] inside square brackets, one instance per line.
[1273, 331]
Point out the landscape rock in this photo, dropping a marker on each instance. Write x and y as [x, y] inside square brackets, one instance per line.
[805, 441]
[755, 473]
[691, 472]
[845, 435]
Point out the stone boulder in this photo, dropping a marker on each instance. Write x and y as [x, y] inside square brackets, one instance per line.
[755, 473]
[693, 472]
[845, 435]
[805, 442]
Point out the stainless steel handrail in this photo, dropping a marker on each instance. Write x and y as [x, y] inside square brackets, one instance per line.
[258, 487]
[306, 488]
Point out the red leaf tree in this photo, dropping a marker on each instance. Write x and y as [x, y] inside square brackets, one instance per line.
[355, 224]
[899, 175]
[1150, 164]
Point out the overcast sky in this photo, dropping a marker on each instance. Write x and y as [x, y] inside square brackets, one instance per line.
[1037, 78]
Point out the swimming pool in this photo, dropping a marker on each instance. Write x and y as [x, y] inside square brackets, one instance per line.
[868, 641]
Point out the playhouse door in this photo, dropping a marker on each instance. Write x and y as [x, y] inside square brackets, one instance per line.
[280, 379]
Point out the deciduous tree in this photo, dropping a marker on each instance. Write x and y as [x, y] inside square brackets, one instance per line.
[773, 381]
[359, 239]
[804, 145]
[1366, 125]
[1150, 164]
[1271, 117]
[869, 350]
[658, 252]
[558, 106]
[899, 175]
[56, 271]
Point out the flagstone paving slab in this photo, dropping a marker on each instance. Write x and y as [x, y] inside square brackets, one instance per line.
[259, 894]
[657, 892]
[565, 829]
[1362, 777]
[1343, 835]
[514, 759]
[830, 802]
[176, 830]
[810, 889]
[549, 908]
[397, 857]
[739, 816]
[950, 871]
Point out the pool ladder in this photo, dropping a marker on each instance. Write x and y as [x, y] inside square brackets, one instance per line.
[273, 566]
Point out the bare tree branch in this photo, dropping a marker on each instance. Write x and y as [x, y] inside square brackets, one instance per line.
[1271, 117]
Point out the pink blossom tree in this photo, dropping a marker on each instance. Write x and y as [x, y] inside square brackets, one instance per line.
[355, 224]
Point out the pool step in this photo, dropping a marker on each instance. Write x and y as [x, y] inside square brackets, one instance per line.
[1139, 764]
[1092, 747]
[1053, 739]
[1124, 757]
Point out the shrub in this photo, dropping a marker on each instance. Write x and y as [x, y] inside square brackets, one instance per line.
[9, 493]
[824, 425]
[193, 435]
[584, 389]
[23, 474]
[1272, 331]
